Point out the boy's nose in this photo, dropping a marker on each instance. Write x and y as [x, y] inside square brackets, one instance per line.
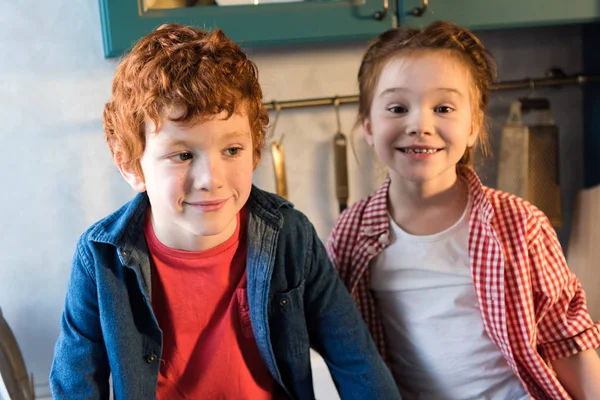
[208, 175]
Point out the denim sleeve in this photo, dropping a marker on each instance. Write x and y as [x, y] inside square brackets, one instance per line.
[339, 334]
[80, 368]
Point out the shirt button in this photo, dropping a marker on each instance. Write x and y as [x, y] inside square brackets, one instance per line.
[368, 230]
[384, 239]
[283, 302]
[151, 358]
[371, 250]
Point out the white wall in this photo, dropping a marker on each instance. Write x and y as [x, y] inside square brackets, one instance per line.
[57, 176]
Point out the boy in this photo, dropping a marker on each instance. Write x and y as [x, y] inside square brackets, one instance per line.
[202, 286]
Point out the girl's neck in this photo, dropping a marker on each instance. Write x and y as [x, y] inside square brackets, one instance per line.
[426, 208]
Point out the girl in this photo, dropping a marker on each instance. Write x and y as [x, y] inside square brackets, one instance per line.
[465, 289]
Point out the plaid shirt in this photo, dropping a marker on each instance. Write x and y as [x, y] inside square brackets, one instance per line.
[533, 307]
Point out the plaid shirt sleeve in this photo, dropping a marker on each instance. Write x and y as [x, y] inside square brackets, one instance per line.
[564, 325]
[331, 250]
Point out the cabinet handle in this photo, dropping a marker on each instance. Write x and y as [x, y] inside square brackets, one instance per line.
[418, 11]
[380, 15]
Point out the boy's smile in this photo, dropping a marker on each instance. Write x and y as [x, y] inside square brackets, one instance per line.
[197, 178]
[207, 206]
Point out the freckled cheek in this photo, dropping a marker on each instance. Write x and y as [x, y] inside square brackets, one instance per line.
[175, 185]
[241, 181]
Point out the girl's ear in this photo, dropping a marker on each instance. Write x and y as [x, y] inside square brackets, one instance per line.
[476, 127]
[368, 131]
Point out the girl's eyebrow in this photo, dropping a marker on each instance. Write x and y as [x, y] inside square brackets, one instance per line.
[403, 89]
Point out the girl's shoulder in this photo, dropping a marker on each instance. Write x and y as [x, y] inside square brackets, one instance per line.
[367, 215]
[515, 213]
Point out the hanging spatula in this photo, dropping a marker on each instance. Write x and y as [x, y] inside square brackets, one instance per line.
[279, 168]
[278, 157]
[340, 144]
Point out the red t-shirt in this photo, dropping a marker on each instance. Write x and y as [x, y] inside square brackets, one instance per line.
[200, 301]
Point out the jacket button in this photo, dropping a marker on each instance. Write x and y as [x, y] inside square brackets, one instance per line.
[151, 358]
[283, 302]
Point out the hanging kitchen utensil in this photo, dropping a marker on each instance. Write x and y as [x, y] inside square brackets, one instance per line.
[278, 158]
[529, 159]
[13, 372]
[340, 144]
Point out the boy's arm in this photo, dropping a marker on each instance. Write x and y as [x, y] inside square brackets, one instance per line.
[580, 374]
[80, 368]
[566, 334]
[339, 334]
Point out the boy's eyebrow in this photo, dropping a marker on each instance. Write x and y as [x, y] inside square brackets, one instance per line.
[227, 136]
[236, 134]
[174, 142]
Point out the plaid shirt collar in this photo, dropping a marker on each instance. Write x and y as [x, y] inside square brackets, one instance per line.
[378, 221]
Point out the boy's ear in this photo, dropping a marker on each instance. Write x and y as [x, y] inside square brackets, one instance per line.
[368, 131]
[129, 174]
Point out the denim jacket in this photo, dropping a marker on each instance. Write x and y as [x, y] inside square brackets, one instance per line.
[295, 297]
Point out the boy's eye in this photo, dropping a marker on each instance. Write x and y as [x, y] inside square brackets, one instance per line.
[233, 151]
[443, 109]
[184, 157]
[397, 109]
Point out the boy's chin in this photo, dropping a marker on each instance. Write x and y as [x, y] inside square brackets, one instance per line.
[212, 228]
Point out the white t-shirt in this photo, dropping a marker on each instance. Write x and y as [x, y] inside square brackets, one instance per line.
[438, 345]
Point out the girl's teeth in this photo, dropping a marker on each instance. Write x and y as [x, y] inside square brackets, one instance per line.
[420, 151]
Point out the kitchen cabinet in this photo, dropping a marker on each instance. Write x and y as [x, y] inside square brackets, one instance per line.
[252, 25]
[500, 14]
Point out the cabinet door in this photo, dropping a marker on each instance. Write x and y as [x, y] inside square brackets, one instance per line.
[126, 21]
[498, 14]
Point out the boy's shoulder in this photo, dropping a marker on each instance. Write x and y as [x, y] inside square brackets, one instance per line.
[123, 221]
[278, 210]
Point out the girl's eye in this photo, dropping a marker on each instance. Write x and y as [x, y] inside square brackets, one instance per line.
[443, 109]
[397, 109]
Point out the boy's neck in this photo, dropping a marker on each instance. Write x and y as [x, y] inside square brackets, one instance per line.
[171, 236]
[426, 208]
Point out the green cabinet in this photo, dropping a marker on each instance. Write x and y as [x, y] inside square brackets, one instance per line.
[498, 14]
[125, 21]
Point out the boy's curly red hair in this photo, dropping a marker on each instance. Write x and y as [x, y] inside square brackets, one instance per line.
[203, 73]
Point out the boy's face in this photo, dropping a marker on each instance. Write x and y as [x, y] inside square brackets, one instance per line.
[197, 179]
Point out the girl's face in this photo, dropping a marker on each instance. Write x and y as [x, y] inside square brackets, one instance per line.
[422, 120]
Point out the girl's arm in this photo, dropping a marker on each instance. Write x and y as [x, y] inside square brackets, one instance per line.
[580, 374]
[566, 334]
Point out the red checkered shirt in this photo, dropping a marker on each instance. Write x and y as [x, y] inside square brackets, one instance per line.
[533, 306]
